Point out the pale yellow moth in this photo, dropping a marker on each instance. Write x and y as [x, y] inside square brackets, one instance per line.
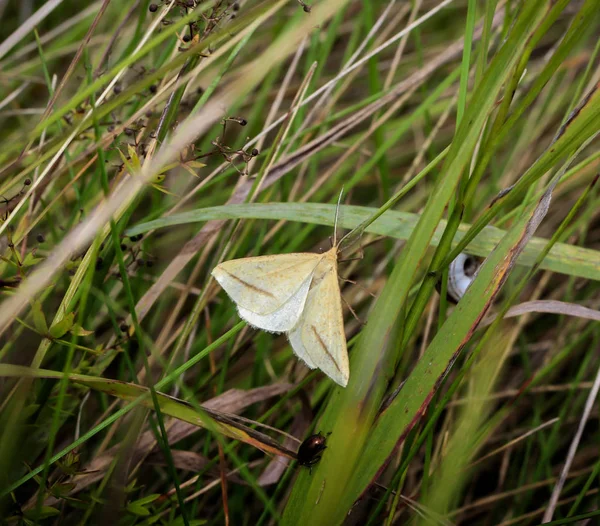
[298, 294]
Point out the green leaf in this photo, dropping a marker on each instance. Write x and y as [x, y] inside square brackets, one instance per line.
[136, 509]
[45, 512]
[132, 163]
[78, 330]
[30, 260]
[148, 499]
[29, 410]
[61, 327]
[135, 163]
[62, 490]
[563, 258]
[163, 190]
[39, 319]
[196, 522]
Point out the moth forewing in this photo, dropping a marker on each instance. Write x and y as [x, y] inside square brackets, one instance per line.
[319, 337]
[263, 285]
[283, 319]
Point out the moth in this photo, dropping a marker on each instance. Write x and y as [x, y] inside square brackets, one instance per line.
[297, 294]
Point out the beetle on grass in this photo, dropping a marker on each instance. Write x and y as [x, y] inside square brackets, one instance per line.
[310, 451]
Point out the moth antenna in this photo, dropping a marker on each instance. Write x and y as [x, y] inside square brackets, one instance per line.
[335, 222]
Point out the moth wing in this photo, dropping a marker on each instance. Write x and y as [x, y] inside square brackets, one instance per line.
[319, 338]
[295, 337]
[262, 285]
[284, 318]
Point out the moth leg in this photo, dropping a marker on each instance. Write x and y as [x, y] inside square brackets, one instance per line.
[358, 285]
[352, 310]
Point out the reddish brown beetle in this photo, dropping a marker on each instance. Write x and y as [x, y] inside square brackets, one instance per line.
[309, 452]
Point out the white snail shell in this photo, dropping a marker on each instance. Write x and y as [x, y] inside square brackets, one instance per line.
[461, 273]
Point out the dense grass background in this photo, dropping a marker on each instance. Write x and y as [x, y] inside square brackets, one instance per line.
[144, 142]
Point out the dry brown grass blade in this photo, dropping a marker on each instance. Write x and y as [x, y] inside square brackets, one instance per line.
[277, 466]
[115, 36]
[277, 102]
[233, 401]
[75, 61]
[28, 26]
[542, 389]
[541, 510]
[515, 441]
[53, 33]
[561, 308]
[193, 462]
[486, 501]
[587, 410]
[319, 108]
